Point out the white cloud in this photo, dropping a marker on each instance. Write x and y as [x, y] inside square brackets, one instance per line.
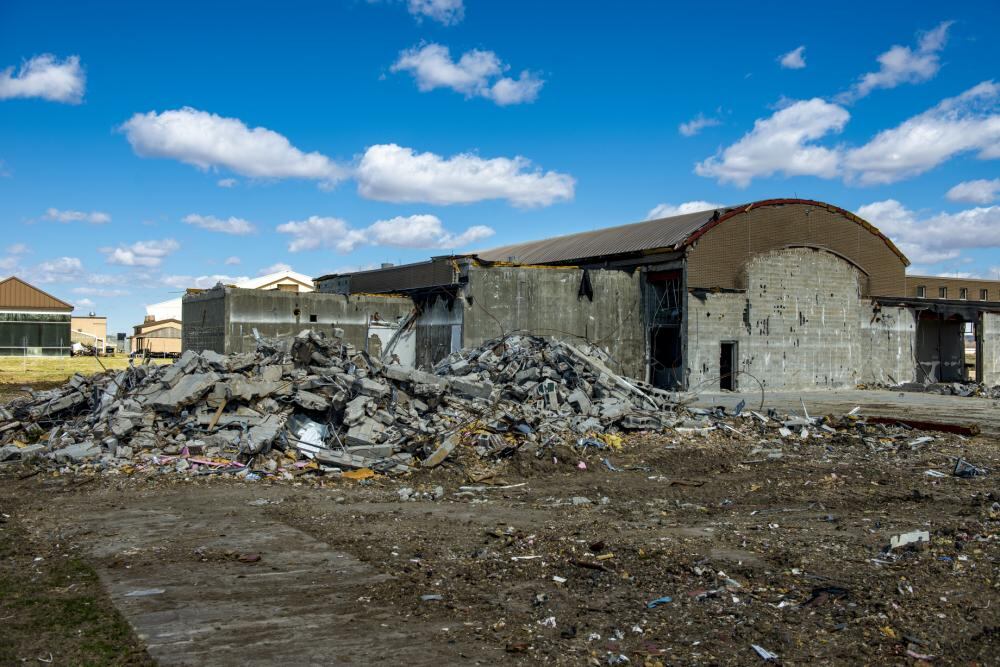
[84, 302]
[794, 59]
[94, 217]
[968, 122]
[414, 231]
[388, 172]
[231, 225]
[201, 282]
[18, 249]
[60, 269]
[141, 253]
[901, 64]
[697, 124]
[317, 231]
[100, 291]
[208, 141]
[782, 143]
[476, 74]
[980, 191]
[227, 182]
[279, 267]
[45, 77]
[422, 231]
[232, 261]
[938, 237]
[446, 12]
[669, 210]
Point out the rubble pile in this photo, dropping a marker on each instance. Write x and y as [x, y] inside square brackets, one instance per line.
[315, 403]
[965, 389]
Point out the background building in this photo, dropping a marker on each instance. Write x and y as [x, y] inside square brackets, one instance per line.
[158, 338]
[32, 322]
[90, 330]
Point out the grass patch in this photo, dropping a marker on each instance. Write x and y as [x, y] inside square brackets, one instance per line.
[56, 606]
[56, 370]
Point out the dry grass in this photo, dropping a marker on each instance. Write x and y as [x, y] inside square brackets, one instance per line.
[35, 370]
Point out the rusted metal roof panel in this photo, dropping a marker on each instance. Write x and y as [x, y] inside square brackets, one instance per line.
[634, 238]
[434, 273]
[15, 294]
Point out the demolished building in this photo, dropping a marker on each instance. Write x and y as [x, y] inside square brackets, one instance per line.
[791, 293]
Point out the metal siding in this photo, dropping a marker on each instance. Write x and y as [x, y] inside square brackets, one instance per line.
[718, 258]
[16, 294]
[400, 278]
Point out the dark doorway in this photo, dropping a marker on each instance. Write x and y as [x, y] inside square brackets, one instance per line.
[665, 357]
[727, 366]
[940, 349]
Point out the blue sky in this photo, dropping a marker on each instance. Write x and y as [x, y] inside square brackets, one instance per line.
[144, 149]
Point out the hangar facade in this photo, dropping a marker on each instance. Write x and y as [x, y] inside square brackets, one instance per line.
[33, 323]
[796, 293]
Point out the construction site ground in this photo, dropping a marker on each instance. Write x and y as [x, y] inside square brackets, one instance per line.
[544, 561]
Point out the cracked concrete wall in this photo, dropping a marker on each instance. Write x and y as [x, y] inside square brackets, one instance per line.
[801, 323]
[991, 349]
[545, 301]
[223, 320]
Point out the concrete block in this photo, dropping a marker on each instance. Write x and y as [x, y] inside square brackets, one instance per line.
[373, 388]
[77, 453]
[471, 388]
[189, 389]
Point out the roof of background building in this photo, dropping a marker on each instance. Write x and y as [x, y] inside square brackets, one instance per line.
[17, 294]
[661, 234]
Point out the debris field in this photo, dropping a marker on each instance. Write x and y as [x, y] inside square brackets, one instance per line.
[524, 504]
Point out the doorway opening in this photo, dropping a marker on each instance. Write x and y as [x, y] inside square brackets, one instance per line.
[728, 365]
[665, 357]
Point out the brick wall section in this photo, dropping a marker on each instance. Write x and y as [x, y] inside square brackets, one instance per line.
[719, 257]
[954, 286]
[801, 324]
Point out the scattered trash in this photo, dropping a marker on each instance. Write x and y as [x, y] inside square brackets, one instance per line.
[764, 654]
[965, 469]
[144, 592]
[432, 597]
[652, 604]
[914, 537]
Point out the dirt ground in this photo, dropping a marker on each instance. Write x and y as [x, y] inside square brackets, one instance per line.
[543, 562]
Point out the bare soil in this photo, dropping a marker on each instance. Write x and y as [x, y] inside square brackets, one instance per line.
[787, 553]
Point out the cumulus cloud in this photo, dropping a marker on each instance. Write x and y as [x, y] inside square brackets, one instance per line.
[445, 12]
[141, 253]
[84, 302]
[981, 191]
[93, 217]
[928, 239]
[18, 249]
[60, 269]
[201, 282]
[901, 64]
[476, 74]
[414, 231]
[227, 182]
[231, 225]
[782, 143]
[669, 210]
[232, 261]
[388, 172]
[696, 125]
[794, 59]
[45, 77]
[209, 141]
[968, 122]
[100, 291]
[279, 267]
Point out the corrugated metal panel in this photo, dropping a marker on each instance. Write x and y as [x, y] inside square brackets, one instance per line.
[15, 294]
[633, 238]
[406, 277]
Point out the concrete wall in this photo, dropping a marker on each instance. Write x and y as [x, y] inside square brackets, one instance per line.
[991, 349]
[800, 324]
[224, 319]
[439, 329]
[545, 301]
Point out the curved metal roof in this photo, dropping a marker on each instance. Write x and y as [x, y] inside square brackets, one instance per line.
[662, 234]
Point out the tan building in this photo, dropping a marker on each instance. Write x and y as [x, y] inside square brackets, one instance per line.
[90, 330]
[158, 338]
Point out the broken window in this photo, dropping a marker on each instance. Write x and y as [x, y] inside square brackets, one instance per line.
[921, 291]
[984, 295]
[312, 318]
[942, 292]
[963, 293]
